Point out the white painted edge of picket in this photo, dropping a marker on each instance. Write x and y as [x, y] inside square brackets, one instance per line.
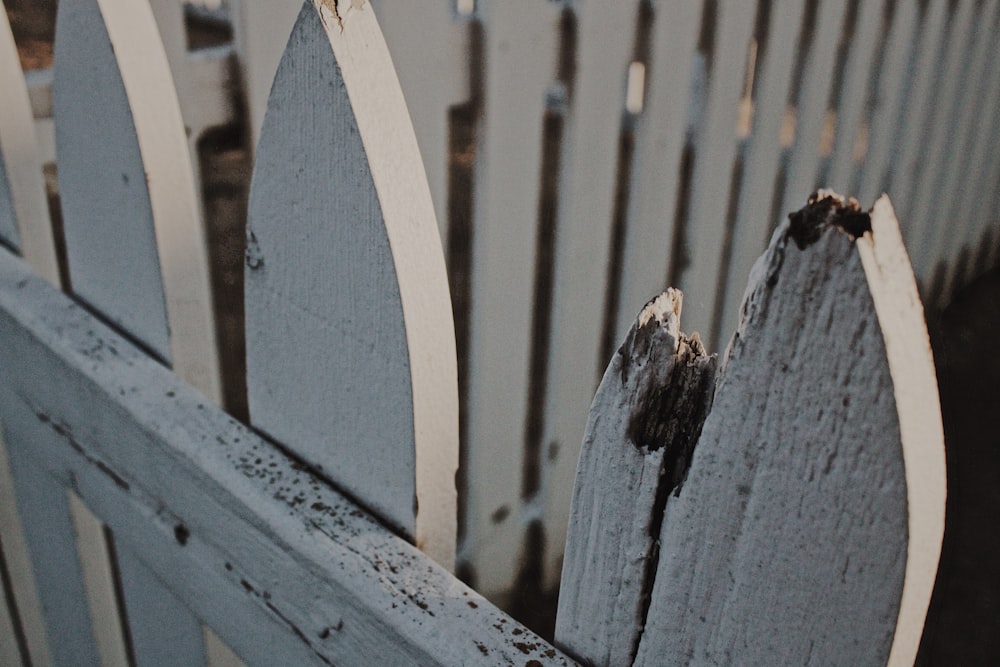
[176, 219]
[401, 182]
[911, 365]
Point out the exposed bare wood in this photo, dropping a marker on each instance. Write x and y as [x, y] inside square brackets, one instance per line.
[812, 514]
[643, 425]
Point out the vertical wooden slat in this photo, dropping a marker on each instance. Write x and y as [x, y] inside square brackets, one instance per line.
[347, 306]
[809, 524]
[163, 630]
[859, 68]
[112, 645]
[606, 41]
[24, 224]
[901, 52]
[714, 153]
[810, 113]
[938, 136]
[51, 540]
[18, 563]
[146, 223]
[433, 78]
[520, 50]
[659, 141]
[24, 213]
[106, 60]
[908, 130]
[752, 225]
[950, 234]
[642, 427]
[261, 29]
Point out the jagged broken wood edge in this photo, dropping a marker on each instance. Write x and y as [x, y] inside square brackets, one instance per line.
[643, 423]
[811, 536]
[606, 572]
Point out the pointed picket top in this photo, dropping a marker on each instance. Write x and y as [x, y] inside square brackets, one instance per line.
[810, 524]
[24, 212]
[134, 238]
[350, 342]
[643, 425]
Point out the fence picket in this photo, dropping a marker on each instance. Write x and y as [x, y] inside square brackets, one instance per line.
[17, 560]
[347, 305]
[811, 105]
[433, 79]
[715, 149]
[776, 67]
[626, 471]
[520, 55]
[809, 523]
[146, 225]
[24, 213]
[51, 540]
[581, 272]
[939, 137]
[909, 129]
[953, 233]
[860, 65]
[889, 99]
[660, 139]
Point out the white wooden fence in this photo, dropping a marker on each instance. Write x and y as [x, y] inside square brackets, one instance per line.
[611, 151]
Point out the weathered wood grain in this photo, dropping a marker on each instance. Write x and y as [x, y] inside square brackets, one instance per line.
[643, 425]
[280, 564]
[134, 237]
[810, 523]
[350, 341]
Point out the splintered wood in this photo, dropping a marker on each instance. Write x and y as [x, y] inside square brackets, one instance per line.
[808, 523]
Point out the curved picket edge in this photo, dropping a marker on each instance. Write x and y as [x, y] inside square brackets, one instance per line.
[348, 313]
[789, 539]
[19, 160]
[180, 235]
[401, 182]
[911, 365]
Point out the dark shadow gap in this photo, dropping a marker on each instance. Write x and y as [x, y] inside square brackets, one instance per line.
[463, 126]
[622, 196]
[803, 49]
[116, 578]
[761, 31]
[225, 166]
[528, 596]
[15, 616]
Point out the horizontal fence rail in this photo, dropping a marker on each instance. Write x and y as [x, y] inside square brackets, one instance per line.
[283, 567]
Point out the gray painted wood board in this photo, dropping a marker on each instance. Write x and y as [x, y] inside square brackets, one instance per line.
[350, 342]
[809, 526]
